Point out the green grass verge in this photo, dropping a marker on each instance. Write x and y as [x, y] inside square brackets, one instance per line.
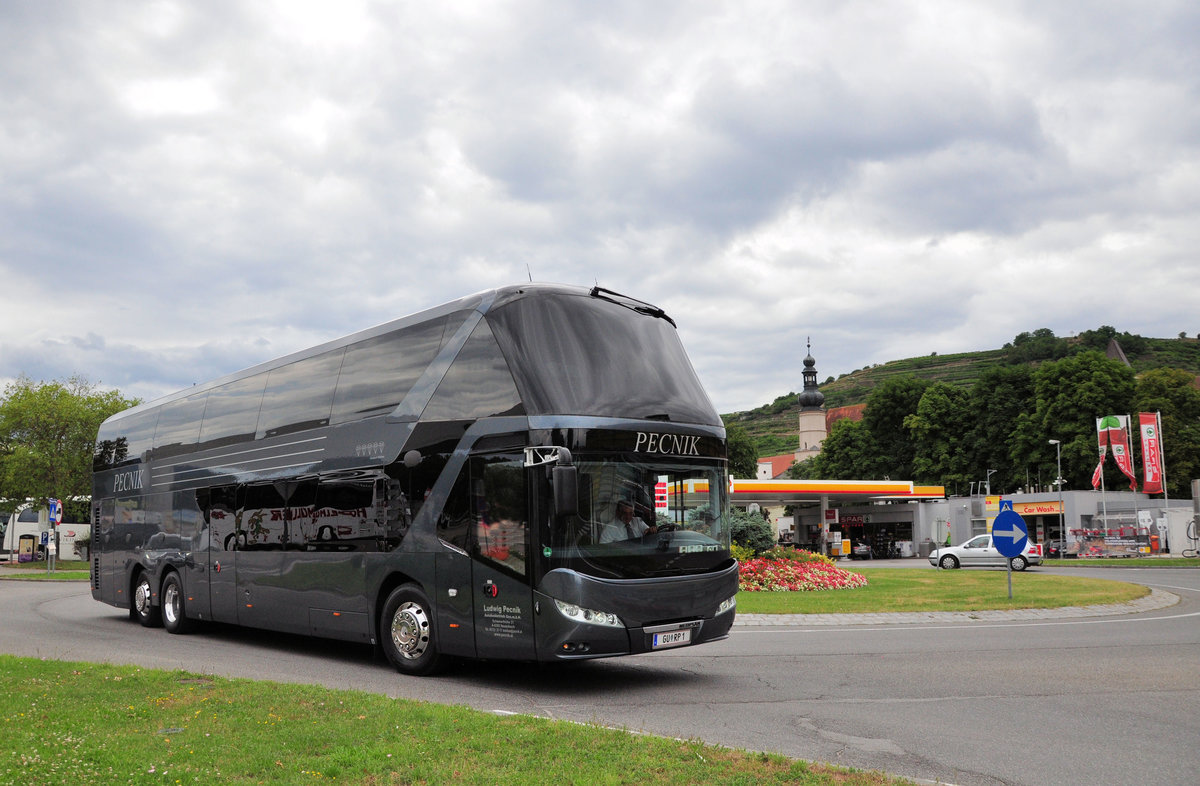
[910, 589]
[62, 564]
[95, 723]
[64, 570]
[1124, 562]
[58, 575]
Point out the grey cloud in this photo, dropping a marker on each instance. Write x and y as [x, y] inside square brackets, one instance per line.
[132, 368]
[765, 171]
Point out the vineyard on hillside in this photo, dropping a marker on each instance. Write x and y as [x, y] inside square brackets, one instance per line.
[773, 427]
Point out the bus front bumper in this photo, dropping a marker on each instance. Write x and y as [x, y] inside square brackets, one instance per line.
[581, 641]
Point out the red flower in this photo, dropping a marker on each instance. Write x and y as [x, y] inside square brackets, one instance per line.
[788, 575]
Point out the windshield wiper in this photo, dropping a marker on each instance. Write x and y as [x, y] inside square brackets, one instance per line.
[640, 306]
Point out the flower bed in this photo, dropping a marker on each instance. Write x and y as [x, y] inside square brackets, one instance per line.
[763, 574]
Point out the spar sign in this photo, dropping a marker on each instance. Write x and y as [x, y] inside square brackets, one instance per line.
[1152, 459]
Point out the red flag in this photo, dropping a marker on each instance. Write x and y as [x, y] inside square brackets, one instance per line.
[1152, 459]
[1113, 430]
[1099, 473]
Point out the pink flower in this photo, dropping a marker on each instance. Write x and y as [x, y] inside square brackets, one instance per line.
[788, 575]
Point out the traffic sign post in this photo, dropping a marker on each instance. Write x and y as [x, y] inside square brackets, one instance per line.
[1009, 536]
[56, 517]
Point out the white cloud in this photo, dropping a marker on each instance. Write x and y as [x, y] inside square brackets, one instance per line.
[197, 188]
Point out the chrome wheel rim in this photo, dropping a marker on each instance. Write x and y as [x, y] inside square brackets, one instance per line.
[171, 602]
[410, 630]
[141, 597]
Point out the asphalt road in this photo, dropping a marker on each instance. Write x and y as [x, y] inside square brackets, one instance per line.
[1110, 700]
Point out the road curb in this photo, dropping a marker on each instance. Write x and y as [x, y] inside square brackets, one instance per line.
[1157, 599]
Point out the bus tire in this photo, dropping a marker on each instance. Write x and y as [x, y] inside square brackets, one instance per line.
[140, 606]
[408, 632]
[174, 605]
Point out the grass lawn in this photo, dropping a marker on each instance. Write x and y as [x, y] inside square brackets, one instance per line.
[95, 723]
[913, 589]
[58, 575]
[1124, 562]
[64, 570]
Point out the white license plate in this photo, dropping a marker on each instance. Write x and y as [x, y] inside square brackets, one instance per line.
[674, 638]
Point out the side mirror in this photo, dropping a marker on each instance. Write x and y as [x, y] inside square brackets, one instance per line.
[565, 478]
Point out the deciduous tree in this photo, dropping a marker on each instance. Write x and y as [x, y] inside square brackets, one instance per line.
[888, 405]
[997, 401]
[1173, 393]
[743, 457]
[47, 433]
[938, 428]
[846, 454]
[1068, 397]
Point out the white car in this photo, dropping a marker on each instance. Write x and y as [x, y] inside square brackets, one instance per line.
[980, 551]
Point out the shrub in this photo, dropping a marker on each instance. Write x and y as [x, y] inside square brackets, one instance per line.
[751, 530]
[741, 553]
[795, 555]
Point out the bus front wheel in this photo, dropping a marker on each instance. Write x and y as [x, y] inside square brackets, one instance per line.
[140, 606]
[408, 635]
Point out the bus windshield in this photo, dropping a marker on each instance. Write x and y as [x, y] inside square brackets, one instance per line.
[642, 519]
[639, 369]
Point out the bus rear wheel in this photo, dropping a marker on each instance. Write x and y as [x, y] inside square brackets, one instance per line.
[174, 606]
[408, 636]
[140, 606]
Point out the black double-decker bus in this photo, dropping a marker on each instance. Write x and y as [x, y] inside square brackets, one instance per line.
[530, 473]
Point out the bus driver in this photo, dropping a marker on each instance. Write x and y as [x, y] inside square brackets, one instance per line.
[625, 526]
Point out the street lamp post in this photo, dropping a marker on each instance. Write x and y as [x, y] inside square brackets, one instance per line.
[1062, 513]
[989, 481]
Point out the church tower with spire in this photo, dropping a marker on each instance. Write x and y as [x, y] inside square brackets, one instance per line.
[812, 411]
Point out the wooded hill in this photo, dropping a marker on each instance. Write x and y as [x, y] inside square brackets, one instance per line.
[773, 427]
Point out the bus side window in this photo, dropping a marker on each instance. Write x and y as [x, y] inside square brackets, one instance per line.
[502, 522]
[344, 518]
[392, 512]
[454, 524]
[220, 516]
[130, 526]
[104, 534]
[299, 511]
[261, 518]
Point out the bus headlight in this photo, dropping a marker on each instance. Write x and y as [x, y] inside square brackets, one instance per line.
[729, 604]
[591, 616]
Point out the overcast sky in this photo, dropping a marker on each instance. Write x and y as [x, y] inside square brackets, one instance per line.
[187, 189]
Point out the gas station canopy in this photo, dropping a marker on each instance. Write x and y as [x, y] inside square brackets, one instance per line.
[795, 492]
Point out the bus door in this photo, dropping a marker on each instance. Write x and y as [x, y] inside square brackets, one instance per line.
[104, 558]
[266, 518]
[335, 524]
[501, 569]
[221, 520]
